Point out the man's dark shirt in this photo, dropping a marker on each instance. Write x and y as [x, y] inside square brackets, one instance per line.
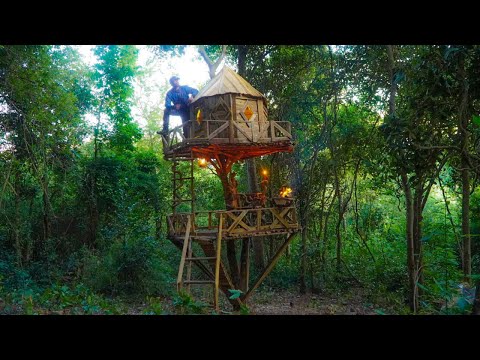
[179, 97]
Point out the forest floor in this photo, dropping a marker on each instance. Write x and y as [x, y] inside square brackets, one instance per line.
[353, 302]
[266, 301]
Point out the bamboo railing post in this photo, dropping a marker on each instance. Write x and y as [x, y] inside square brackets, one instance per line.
[217, 261]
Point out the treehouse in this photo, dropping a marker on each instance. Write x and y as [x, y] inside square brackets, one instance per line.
[230, 116]
[228, 123]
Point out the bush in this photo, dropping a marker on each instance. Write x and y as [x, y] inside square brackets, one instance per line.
[132, 266]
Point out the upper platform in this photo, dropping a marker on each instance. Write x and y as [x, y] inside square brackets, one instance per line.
[235, 139]
[228, 116]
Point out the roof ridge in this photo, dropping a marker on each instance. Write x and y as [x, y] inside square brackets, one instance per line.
[228, 81]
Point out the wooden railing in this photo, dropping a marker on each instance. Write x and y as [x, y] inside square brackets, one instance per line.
[236, 223]
[223, 131]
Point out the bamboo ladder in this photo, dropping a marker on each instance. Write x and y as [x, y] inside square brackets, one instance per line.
[189, 258]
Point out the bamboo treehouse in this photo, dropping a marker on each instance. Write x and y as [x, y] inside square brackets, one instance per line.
[228, 123]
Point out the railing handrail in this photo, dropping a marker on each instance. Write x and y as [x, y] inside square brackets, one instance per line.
[231, 132]
[225, 211]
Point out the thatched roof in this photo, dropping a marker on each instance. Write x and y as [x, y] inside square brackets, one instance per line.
[228, 81]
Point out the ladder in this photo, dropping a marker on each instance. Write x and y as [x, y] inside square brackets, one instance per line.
[213, 256]
[179, 180]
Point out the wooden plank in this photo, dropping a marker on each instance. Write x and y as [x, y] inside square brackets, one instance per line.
[184, 255]
[170, 225]
[248, 136]
[219, 130]
[217, 262]
[282, 130]
[189, 265]
[237, 219]
[261, 114]
[279, 216]
[269, 268]
[199, 282]
[244, 226]
[231, 128]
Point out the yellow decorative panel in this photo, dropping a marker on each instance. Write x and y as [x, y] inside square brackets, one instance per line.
[248, 112]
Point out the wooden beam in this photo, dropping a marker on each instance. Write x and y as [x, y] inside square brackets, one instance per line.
[184, 255]
[218, 130]
[269, 267]
[280, 217]
[217, 262]
[233, 109]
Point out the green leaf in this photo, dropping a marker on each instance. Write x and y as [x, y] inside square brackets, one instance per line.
[422, 287]
[235, 294]
[476, 120]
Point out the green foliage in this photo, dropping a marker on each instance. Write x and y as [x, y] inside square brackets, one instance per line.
[86, 204]
[186, 305]
[131, 266]
[235, 294]
[59, 299]
[244, 310]
[114, 75]
[154, 307]
[476, 120]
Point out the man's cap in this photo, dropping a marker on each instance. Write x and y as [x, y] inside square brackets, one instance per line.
[173, 78]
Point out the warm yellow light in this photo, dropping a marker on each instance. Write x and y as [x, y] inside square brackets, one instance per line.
[199, 116]
[265, 172]
[285, 191]
[202, 162]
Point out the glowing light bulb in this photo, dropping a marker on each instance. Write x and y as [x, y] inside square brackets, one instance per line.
[202, 162]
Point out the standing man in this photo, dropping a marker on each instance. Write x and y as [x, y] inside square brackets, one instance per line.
[177, 102]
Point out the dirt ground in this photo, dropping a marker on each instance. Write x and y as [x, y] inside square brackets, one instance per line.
[287, 303]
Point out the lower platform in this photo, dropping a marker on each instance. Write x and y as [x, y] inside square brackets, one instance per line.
[236, 224]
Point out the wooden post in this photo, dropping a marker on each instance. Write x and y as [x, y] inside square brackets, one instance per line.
[189, 265]
[217, 261]
[233, 109]
[186, 240]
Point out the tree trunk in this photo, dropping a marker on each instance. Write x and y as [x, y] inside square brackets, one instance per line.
[463, 119]
[242, 51]
[46, 210]
[231, 248]
[16, 230]
[303, 262]
[413, 298]
[417, 238]
[212, 66]
[467, 246]
[258, 248]
[244, 265]
[339, 223]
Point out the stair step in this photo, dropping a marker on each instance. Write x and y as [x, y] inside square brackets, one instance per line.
[199, 282]
[200, 258]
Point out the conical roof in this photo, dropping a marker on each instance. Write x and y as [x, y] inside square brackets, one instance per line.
[228, 81]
